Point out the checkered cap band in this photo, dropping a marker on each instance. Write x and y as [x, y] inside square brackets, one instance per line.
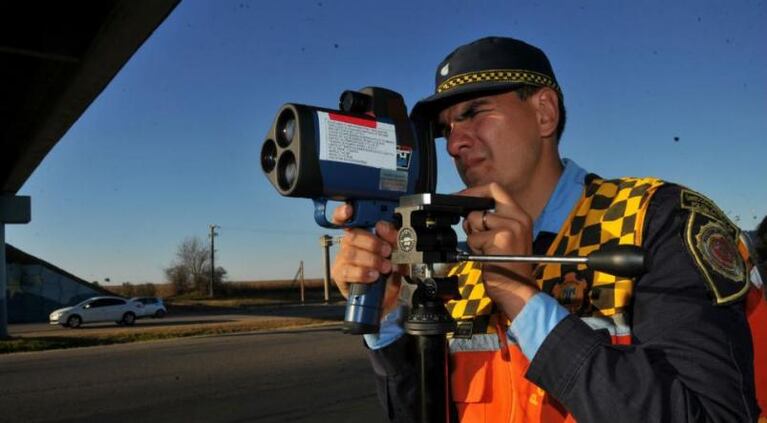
[499, 75]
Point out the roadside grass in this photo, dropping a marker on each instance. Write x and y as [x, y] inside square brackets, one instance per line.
[126, 335]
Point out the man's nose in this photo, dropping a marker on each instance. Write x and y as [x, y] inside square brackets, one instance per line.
[458, 138]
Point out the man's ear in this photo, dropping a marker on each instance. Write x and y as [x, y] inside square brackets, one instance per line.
[546, 103]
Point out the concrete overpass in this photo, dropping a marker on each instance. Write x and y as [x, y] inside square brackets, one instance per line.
[55, 59]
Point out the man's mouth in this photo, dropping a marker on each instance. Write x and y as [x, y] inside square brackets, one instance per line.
[470, 162]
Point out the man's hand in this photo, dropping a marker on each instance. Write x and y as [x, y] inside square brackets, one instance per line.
[508, 230]
[364, 256]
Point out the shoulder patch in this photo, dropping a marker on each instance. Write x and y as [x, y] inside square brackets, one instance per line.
[713, 243]
[693, 201]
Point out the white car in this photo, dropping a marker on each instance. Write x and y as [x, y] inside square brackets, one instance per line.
[150, 307]
[96, 309]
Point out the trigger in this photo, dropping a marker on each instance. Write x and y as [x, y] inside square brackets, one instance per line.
[320, 206]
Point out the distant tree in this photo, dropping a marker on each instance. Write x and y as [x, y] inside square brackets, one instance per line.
[190, 271]
[179, 279]
[217, 281]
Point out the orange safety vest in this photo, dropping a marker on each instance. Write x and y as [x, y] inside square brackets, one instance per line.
[487, 376]
[756, 311]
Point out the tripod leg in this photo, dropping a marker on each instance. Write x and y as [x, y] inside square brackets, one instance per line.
[434, 385]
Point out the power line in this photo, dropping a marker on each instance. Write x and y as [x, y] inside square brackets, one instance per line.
[268, 231]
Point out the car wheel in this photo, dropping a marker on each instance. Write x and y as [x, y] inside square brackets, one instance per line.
[159, 314]
[74, 321]
[129, 319]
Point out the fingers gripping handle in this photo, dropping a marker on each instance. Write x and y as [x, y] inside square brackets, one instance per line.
[363, 307]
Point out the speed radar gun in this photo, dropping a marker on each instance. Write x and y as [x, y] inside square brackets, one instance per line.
[372, 155]
[367, 153]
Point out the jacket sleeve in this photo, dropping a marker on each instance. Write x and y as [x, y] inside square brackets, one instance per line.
[690, 361]
[396, 377]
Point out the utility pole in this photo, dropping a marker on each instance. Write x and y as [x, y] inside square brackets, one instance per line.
[301, 272]
[299, 277]
[325, 242]
[213, 235]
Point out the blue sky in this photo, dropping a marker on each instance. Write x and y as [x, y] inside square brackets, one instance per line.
[172, 144]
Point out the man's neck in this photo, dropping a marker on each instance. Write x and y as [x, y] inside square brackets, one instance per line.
[534, 197]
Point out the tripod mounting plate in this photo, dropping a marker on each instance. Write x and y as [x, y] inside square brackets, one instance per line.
[426, 234]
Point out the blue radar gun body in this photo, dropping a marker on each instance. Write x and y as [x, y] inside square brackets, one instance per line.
[369, 154]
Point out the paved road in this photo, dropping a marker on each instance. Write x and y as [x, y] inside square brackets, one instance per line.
[306, 375]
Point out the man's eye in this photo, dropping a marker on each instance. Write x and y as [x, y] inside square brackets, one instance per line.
[444, 131]
[472, 112]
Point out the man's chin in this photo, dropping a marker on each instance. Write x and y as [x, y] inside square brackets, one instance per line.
[473, 179]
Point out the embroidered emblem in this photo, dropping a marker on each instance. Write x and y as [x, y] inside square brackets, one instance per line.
[719, 251]
[712, 241]
[571, 292]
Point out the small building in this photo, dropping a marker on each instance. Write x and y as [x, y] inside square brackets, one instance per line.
[36, 287]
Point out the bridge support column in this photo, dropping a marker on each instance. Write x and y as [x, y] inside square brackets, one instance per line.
[13, 209]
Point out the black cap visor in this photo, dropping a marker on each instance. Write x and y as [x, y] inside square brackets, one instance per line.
[430, 107]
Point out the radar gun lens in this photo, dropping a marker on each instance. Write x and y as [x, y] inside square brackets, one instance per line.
[268, 156]
[286, 128]
[287, 171]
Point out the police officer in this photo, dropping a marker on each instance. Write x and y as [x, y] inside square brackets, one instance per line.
[561, 342]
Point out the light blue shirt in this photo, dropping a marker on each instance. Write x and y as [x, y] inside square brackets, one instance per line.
[542, 313]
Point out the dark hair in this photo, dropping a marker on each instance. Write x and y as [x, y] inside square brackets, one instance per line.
[526, 91]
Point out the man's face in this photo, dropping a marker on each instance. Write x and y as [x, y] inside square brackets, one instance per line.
[493, 138]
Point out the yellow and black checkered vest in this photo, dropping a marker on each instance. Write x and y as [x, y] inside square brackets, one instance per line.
[609, 213]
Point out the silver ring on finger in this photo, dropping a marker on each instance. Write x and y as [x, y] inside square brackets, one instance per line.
[484, 221]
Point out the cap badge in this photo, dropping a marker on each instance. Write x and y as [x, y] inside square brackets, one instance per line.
[445, 69]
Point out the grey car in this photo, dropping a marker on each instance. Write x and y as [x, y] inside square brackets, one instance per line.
[150, 307]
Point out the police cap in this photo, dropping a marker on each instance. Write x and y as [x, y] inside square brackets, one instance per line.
[485, 66]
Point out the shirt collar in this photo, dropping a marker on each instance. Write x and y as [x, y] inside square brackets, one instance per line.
[562, 200]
